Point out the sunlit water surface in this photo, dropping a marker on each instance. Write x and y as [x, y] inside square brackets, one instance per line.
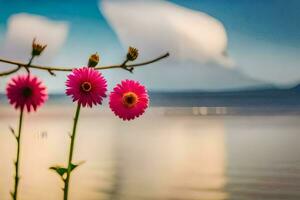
[168, 154]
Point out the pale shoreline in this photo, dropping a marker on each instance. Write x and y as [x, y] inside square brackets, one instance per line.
[67, 109]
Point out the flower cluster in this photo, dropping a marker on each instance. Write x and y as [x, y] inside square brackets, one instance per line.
[88, 87]
[85, 85]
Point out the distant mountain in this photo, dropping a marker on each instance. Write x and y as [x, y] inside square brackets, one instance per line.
[296, 88]
[269, 97]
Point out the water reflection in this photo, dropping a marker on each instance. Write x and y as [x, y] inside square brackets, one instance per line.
[161, 156]
[167, 162]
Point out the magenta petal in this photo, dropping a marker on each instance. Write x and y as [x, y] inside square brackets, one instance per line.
[26, 91]
[93, 95]
[120, 109]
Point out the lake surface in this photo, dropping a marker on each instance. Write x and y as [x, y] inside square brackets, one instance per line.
[168, 154]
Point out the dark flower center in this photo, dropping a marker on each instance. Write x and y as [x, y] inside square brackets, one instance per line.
[27, 92]
[129, 99]
[86, 86]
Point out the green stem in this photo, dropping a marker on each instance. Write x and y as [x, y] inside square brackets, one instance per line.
[67, 180]
[18, 137]
[29, 63]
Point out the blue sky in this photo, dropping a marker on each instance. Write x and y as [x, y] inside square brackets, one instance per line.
[269, 20]
[88, 28]
[263, 39]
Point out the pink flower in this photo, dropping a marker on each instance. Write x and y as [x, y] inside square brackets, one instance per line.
[129, 100]
[87, 86]
[26, 91]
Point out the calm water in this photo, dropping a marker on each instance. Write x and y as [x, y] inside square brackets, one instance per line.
[168, 154]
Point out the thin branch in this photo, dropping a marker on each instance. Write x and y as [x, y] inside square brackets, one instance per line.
[124, 65]
[136, 65]
[6, 73]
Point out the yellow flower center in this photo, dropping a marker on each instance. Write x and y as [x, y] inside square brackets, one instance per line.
[129, 99]
[86, 86]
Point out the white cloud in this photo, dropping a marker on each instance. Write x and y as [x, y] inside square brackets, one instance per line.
[196, 41]
[272, 62]
[159, 26]
[21, 30]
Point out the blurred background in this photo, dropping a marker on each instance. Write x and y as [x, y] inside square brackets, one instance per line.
[225, 104]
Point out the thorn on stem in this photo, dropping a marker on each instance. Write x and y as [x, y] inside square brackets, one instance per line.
[130, 69]
[13, 132]
[51, 72]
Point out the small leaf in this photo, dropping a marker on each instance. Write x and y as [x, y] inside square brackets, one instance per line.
[51, 72]
[73, 166]
[131, 69]
[13, 131]
[60, 170]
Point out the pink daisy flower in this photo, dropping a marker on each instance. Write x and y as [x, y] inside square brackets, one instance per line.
[87, 86]
[129, 100]
[26, 91]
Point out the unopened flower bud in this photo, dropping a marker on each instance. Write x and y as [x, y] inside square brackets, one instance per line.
[132, 53]
[37, 48]
[93, 60]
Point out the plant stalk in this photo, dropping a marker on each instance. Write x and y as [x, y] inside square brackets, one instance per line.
[67, 180]
[18, 138]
